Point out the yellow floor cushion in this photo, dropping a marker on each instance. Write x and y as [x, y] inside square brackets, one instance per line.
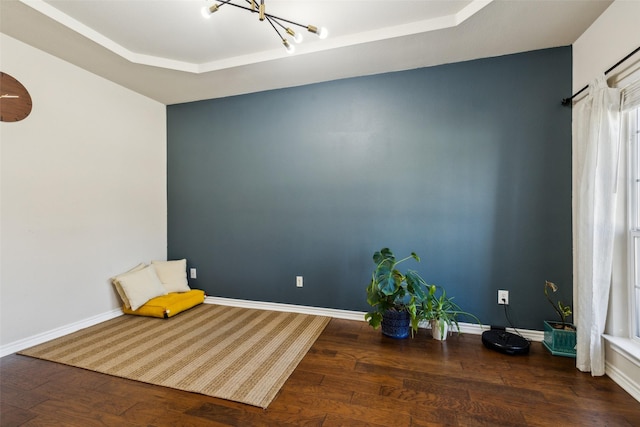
[168, 305]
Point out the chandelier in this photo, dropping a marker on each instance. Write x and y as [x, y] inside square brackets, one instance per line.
[278, 24]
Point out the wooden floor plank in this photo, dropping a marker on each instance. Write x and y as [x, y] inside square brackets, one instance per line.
[352, 376]
[11, 415]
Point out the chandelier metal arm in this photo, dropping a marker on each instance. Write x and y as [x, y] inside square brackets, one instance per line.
[285, 42]
[286, 20]
[271, 18]
[229, 2]
[274, 27]
[223, 2]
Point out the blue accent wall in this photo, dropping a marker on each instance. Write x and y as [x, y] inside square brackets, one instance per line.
[467, 164]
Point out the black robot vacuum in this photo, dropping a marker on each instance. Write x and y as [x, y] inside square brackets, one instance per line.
[505, 342]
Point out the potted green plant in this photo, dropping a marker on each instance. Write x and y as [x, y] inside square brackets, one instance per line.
[395, 297]
[442, 313]
[559, 337]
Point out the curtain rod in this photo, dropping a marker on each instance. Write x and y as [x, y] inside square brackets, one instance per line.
[567, 101]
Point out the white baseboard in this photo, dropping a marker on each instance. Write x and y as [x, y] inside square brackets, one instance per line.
[627, 360]
[468, 328]
[289, 308]
[58, 332]
[623, 380]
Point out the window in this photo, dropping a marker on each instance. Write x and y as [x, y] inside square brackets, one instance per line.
[634, 215]
[630, 97]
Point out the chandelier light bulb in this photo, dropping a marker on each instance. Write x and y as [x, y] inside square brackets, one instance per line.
[297, 37]
[323, 33]
[320, 32]
[207, 11]
[290, 48]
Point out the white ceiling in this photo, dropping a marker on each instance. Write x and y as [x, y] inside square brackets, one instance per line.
[166, 50]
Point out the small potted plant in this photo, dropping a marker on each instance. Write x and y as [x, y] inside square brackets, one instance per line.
[395, 297]
[442, 313]
[559, 337]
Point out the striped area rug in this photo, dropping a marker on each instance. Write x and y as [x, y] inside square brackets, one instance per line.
[239, 354]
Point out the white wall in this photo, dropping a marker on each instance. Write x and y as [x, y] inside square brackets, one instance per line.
[610, 38]
[83, 193]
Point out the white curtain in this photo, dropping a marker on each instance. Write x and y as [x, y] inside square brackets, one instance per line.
[596, 129]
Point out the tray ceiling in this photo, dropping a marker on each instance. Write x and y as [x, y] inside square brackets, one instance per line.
[166, 50]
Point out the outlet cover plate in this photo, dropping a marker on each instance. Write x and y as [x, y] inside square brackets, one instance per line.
[503, 297]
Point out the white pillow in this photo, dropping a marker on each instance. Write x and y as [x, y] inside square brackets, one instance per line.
[140, 286]
[173, 275]
[116, 283]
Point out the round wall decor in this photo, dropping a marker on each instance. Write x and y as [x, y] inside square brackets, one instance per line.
[15, 101]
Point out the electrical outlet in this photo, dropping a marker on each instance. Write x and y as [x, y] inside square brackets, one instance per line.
[503, 297]
[299, 281]
[192, 273]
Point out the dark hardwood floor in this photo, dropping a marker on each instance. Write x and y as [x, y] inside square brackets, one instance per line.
[352, 376]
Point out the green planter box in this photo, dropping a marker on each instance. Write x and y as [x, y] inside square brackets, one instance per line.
[558, 341]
